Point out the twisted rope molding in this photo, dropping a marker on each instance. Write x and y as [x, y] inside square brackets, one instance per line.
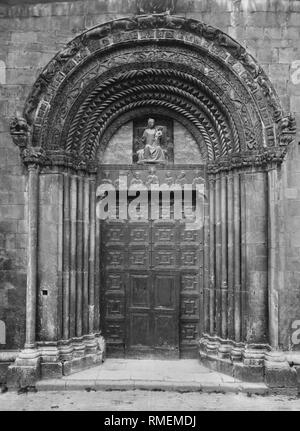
[179, 83]
[192, 114]
[188, 25]
[88, 105]
[111, 116]
[93, 121]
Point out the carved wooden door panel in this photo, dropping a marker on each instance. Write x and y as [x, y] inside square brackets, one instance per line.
[153, 290]
[139, 289]
[165, 281]
[151, 283]
[113, 281]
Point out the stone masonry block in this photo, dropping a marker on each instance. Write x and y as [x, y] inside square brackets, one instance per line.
[294, 18]
[295, 103]
[12, 212]
[23, 37]
[287, 55]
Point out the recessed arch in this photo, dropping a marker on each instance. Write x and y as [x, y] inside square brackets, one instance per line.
[191, 72]
[199, 67]
[149, 111]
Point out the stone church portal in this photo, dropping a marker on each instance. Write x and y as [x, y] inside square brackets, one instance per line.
[157, 98]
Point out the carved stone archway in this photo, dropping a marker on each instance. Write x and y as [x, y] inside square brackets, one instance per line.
[208, 80]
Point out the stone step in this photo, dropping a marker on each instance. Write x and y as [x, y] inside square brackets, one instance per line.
[152, 375]
[151, 385]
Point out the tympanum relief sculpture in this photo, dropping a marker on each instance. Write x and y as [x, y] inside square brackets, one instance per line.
[153, 146]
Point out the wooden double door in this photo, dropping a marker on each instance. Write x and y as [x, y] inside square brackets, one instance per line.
[151, 279]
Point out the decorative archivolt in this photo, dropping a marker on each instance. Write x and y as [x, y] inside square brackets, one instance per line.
[173, 87]
[153, 62]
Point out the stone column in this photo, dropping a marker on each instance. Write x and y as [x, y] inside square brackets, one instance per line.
[230, 258]
[212, 279]
[66, 259]
[26, 369]
[91, 293]
[218, 262]
[206, 284]
[73, 259]
[79, 253]
[224, 245]
[273, 271]
[237, 256]
[31, 292]
[86, 252]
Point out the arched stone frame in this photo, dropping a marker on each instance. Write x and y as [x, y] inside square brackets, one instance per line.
[201, 74]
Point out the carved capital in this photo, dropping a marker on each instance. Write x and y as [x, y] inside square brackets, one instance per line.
[286, 129]
[34, 156]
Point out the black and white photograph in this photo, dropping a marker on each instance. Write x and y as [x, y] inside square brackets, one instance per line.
[149, 209]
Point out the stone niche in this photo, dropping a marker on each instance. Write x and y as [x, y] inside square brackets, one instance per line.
[120, 148]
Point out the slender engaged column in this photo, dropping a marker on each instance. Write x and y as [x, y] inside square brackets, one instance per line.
[230, 259]
[79, 283]
[86, 252]
[272, 267]
[206, 284]
[31, 292]
[97, 277]
[212, 256]
[224, 281]
[218, 245]
[237, 256]
[66, 259]
[92, 254]
[243, 261]
[73, 194]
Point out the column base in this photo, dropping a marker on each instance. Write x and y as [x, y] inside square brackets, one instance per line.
[279, 374]
[25, 371]
[251, 363]
[53, 360]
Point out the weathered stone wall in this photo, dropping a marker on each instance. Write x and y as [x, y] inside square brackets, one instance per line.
[31, 33]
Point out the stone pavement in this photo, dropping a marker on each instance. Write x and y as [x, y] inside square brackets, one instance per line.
[143, 401]
[185, 375]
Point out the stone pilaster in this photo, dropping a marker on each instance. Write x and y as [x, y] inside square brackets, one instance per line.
[25, 370]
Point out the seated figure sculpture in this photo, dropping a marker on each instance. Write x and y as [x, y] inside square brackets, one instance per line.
[152, 152]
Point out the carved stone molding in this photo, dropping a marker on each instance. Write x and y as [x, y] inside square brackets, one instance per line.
[197, 71]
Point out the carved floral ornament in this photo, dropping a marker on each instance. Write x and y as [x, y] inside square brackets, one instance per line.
[180, 66]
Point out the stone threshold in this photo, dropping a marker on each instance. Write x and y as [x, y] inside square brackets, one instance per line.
[147, 385]
[151, 375]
